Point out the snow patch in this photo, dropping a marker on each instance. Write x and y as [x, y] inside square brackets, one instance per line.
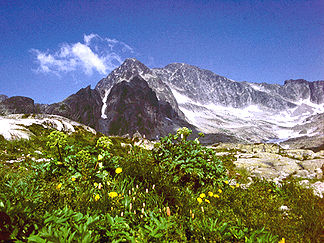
[257, 87]
[181, 99]
[104, 106]
[285, 134]
[147, 76]
[9, 130]
[13, 126]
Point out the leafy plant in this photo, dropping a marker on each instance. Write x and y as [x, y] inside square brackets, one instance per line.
[66, 226]
[104, 143]
[57, 139]
[188, 162]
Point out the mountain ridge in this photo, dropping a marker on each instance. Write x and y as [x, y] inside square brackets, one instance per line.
[195, 97]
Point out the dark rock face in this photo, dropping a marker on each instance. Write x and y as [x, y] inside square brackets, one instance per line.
[131, 68]
[18, 104]
[84, 107]
[295, 90]
[317, 92]
[134, 107]
[301, 89]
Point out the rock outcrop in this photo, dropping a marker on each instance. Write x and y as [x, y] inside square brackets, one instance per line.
[17, 104]
[132, 106]
[3, 97]
[84, 107]
[132, 68]
[15, 126]
[271, 162]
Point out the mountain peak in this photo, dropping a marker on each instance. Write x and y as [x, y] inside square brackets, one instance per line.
[131, 60]
[133, 106]
[132, 63]
[131, 68]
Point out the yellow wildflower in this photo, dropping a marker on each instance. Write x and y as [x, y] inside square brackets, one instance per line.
[100, 157]
[58, 187]
[210, 194]
[202, 195]
[97, 197]
[73, 179]
[232, 187]
[199, 200]
[207, 201]
[119, 170]
[113, 194]
[226, 182]
[95, 184]
[220, 190]
[59, 163]
[216, 196]
[282, 240]
[237, 185]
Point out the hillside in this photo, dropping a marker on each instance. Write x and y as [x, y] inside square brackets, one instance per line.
[57, 186]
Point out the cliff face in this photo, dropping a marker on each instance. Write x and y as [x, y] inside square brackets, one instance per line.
[132, 68]
[84, 106]
[17, 104]
[133, 106]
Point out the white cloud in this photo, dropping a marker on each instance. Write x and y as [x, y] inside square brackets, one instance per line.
[88, 59]
[87, 38]
[95, 54]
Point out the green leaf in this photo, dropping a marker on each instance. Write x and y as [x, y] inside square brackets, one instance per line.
[35, 238]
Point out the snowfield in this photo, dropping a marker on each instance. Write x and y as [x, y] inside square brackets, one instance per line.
[14, 126]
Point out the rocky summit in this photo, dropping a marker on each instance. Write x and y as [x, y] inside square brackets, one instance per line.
[126, 72]
[157, 101]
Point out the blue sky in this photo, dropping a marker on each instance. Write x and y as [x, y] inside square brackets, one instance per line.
[51, 49]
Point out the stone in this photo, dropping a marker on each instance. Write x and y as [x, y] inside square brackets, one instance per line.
[318, 188]
[300, 154]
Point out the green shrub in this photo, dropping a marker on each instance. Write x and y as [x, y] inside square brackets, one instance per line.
[188, 162]
[58, 140]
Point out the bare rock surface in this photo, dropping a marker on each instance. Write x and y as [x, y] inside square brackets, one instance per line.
[271, 162]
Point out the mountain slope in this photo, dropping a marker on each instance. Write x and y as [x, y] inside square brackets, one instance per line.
[205, 87]
[252, 112]
[129, 69]
[133, 106]
[84, 106]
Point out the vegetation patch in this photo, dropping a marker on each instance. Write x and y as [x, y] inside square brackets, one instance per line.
[92, 188]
